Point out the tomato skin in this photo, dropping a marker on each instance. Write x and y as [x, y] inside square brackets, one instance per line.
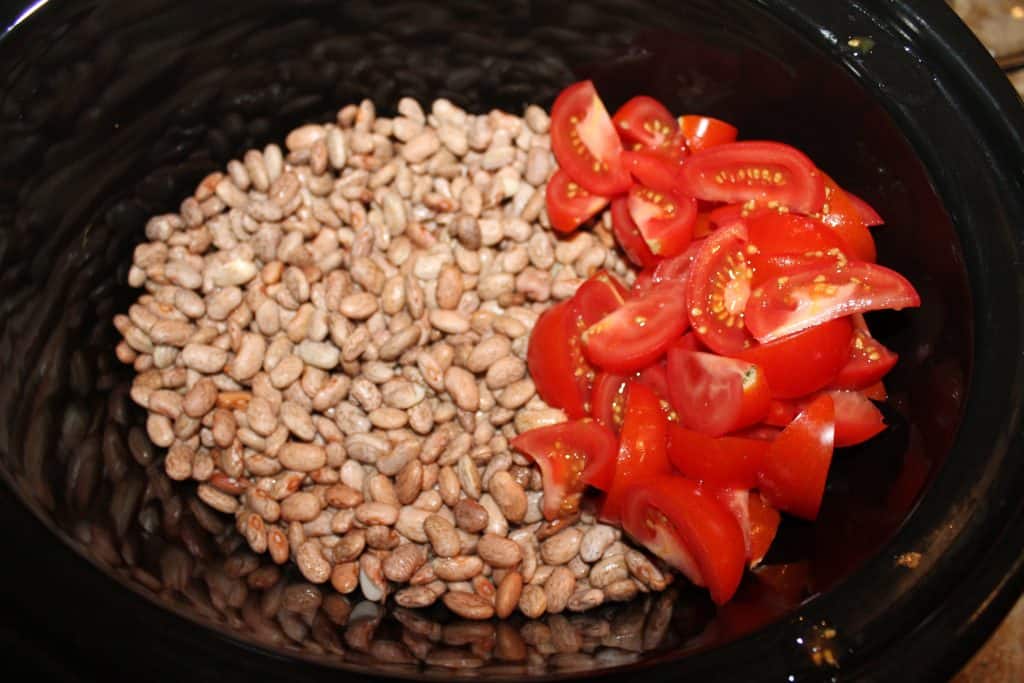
[844, 218]
[869, 360]
[598, 296]
[656, 377]
[804, 362]
[787, 234]
[569, 204]
[677, 268]
[608, 398]
[716, 310]
[553, 357]
[795, 182]
[701, 132]
[643, 283]
[868, 215]
[764, 524]
[652, 169]
[725, 461]
[714, 394]
[627, 234]
[812, 295]
[645, 121]
[642, 454]
[795, 467]
[857, 418]
[570, 455]
[636, 334]
[676, 508]
[665, 220]
[583, 137]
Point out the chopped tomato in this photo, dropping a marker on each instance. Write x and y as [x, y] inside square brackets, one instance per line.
[764, 524]
[842, 215]
[770, 172]
[634, 335]
[857, 418]
[585, 143]
[569, 204]
[803, 362]
[762, 432]
[598, 296]
[736, 501]
[813, 295]
[643, 282]
[726, 461]
[678, 267]
[787, 234]
[703, 131]
[642, 454]
[672, 514]
[726, 215]
[555, 360]
[645, 121]
[796, 464]
[715, 395]
[656, 377]
[876, 392]
[627, 234]
[781, 412]
[869, 360]
[608, 399]
[702, 226]
[570, 455]
[665, 220]
[718, 288]
[653, 169]
[870, 217]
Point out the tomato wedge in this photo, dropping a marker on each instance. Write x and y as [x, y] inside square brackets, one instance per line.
[870, 217]
[718, 288]
[585, 143]
[684, 525]
[665, 220]
[642, 454]
[796, 464]
[570, 455]
[857, 418]
[770, 172]
[643, 282]
[677, 268]
[843, 216]
[598, 296]
[725, 461]
[869, 360]
[764, 524]
[703, 131]
[715, 395]
[627, 234]
[556, 363]
[644, 120]
[634, 335]
[608, 399]
[813, 295]
[568, 204]
[653, 169]
[736, 501]
[804, 362]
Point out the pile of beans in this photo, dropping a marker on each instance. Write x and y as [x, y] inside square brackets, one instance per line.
[332, 343]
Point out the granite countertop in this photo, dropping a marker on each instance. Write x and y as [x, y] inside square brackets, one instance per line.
[1000, 25]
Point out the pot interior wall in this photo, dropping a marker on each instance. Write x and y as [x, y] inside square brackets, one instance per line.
[112, 112]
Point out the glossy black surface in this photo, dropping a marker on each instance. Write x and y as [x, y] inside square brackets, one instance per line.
[111, 111]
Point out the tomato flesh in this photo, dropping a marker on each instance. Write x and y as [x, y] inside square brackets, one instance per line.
[844, 218]
[813, 295]
[769, 172]
[795, 467]
[715, 395]
[608, 399]
[804, 362]
[725, 461]
[627, 234]
[718, 288]
[555, 360]
[637, 333]
[665, 220]
[857, 418]
[585, 143]
[570, 455]
[867, 214]
[869, 360]
[764, 524]
[569, 204]
[704, 131]
[644, 120]
[652, 169]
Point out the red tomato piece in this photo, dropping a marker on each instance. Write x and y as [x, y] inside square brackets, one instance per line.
[796, 464]
[842, 215]
[781, 412]
[598, 296]
[803, 362]
[726, 215]
[870, 217]
[736, 501]
[656, 377]
[677, 268]
[608, 399]
[569, 204]
[714, 394]
[876, 392]
[643, 283]
[642, 454]
[627, 234]
[701, 132]
[672, 513]
[645, 121]
[813, 295]
[636, 334]
[718, 288]
[653, 169]
[857, 418]
[702, 226]
[664, 220]
[869, 360]
[570, 455]
[585, 143]
[769, 172]
[555, 360]
[726, 461]
[764, 524]
[786, 234]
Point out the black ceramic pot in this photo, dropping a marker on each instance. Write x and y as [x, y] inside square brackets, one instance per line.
[111, 111]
